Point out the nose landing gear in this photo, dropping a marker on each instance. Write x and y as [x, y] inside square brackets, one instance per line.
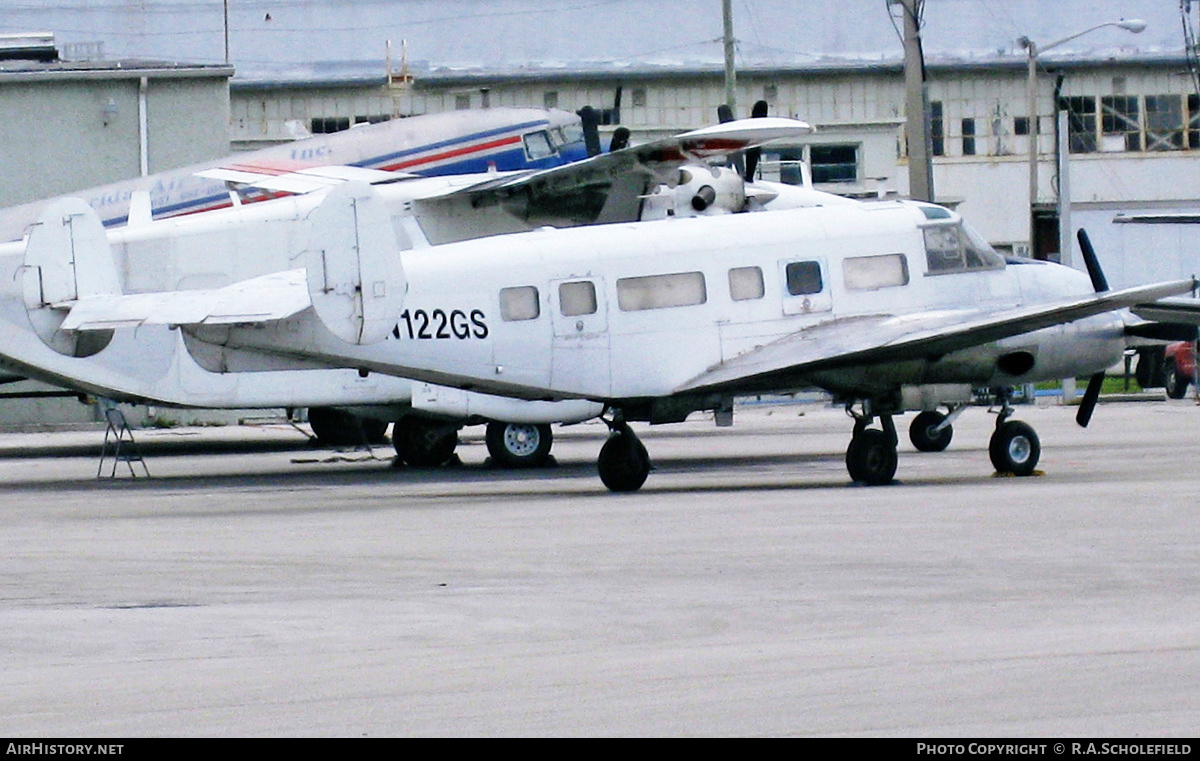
[623, 463]
[1014, 447]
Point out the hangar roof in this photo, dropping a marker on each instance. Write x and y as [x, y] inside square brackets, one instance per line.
[339, 40]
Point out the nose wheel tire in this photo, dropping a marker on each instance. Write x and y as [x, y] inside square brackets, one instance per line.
[519, 445]
[871, 458]
[623, 463]
[1015, 448]
[923, 436]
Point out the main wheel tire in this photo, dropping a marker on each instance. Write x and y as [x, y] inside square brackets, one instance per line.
[1174, 383]
[623, 463]
[519, 445]
[871, 458]
[923, 436]
[1015, 448]
[338, 428]
[424, 443]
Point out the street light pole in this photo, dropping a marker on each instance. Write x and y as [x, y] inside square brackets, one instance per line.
[1136, 26]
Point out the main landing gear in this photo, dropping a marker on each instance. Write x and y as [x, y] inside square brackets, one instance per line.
[623, 462]
[871, 457]
[424, 443]
[519, 445]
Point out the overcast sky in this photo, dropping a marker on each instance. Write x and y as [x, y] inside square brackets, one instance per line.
[269, 39]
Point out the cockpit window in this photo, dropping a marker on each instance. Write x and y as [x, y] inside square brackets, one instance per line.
[570, 133]
[538, 146]
[957, 248]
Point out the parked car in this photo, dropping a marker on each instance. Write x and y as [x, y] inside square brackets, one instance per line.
[1179, 368]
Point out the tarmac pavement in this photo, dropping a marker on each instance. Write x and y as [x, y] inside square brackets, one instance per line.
[257, 586]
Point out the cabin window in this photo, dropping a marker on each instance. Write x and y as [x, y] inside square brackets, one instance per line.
[803, 278]
[661, 291]
[577, 298]
[869, 273]
[538, 146]
[746, 283]
[520, 303]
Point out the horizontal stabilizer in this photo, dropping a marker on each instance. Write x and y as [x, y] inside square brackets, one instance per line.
[262, 299]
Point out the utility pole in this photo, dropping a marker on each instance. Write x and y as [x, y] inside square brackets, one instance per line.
[730, 71]
[916, 106]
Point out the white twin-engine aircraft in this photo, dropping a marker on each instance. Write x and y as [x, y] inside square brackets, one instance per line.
[891, 306]
[202, 252]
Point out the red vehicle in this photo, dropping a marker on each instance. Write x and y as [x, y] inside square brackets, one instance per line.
[1179, 368]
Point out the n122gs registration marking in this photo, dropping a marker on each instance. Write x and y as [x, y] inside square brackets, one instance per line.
[420, 324]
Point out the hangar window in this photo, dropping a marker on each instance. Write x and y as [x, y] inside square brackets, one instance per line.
[327, 125]
[803, 278]
[577, 298]
[834, 163]
[1164, 123]
[1120, 124]
[937, 128]
[519, 303]
[661, 291]
[1081, 124]
[869, 273]
[746, 283]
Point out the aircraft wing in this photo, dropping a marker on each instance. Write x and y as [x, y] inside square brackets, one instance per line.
[872, 340]
[609, 187]
[262, 299]
[606, 188]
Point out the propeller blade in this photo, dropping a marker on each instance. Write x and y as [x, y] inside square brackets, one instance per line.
[1088, 405]
[620, 139]
[1163, 331]
[590, 119]
[1099, 282]
[754, 154]
[725, 114]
